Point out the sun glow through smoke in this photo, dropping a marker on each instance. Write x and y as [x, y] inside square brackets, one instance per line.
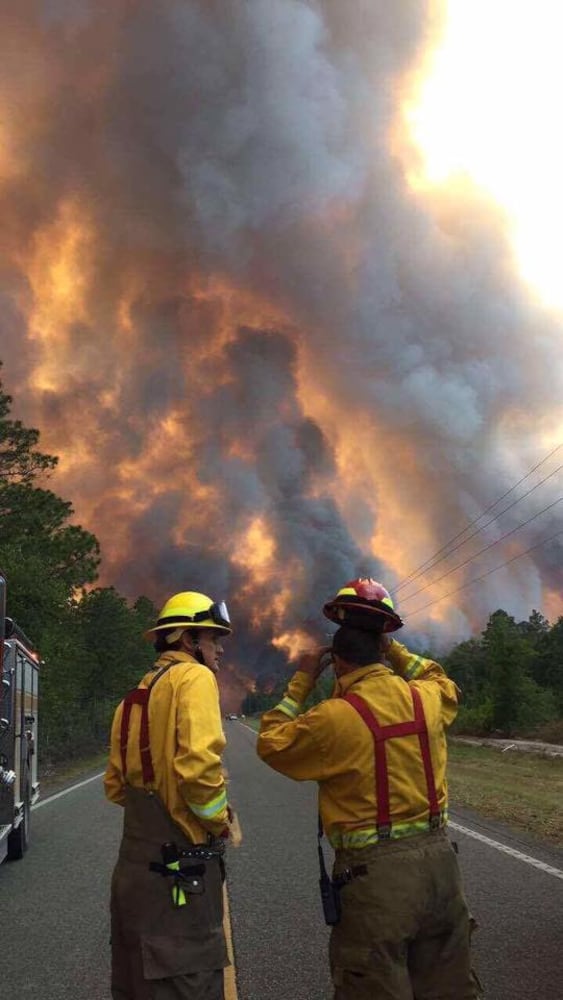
[490, 109]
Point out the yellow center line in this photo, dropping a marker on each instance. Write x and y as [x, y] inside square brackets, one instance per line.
[230, 971]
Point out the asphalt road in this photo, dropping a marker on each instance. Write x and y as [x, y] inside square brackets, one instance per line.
[54, 921]
[53, 905]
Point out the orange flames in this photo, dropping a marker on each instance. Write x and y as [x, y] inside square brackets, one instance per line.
[233, 373]
[293, 643]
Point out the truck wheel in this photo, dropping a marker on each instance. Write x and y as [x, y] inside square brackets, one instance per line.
[18, 840]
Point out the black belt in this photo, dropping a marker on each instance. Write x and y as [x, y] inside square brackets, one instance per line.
[202, 852]
[183, 871]
[349, 874]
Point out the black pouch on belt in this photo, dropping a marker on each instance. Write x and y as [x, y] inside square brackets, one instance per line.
[189, 878]
[192, 878]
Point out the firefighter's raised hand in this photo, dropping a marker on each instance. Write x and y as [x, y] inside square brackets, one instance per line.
[386, 642]
[314, 661]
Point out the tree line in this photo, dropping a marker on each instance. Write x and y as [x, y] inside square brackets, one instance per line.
[510, 677]
[90, 638]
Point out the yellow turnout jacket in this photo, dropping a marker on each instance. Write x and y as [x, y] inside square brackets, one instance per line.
[186, 743]
[331, 744]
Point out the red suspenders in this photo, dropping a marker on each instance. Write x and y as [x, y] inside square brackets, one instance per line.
[380, 735]
[139, 696]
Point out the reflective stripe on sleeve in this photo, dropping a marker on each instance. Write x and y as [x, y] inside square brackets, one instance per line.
[289, 707]
[415, 668]
[217, 805]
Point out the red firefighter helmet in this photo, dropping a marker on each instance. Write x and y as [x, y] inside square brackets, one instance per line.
[365, 604]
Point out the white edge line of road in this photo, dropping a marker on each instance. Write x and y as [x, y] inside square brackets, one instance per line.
[542, 866]
[67, 791]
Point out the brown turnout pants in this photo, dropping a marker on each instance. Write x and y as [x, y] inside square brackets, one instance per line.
[405, 927]
[159, 951]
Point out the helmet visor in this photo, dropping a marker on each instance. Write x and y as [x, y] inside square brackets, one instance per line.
[219, 613]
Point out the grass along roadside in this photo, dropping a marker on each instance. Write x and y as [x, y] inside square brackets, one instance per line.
[525, 791]
[55, 777]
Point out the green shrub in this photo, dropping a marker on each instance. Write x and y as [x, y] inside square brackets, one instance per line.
[475, 721]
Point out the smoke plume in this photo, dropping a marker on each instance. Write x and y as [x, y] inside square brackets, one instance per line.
[267, 362]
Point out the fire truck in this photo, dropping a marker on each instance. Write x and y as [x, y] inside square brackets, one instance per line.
[19, 787]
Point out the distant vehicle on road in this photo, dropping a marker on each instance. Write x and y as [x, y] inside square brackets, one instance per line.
[232, 716]
[19, 682]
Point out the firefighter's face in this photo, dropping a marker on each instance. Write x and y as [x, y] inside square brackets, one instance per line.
[209, 643]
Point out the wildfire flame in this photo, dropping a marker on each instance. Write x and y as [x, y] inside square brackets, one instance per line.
[293, 643]
[274, 338]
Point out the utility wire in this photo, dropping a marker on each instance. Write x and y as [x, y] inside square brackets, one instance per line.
[433, 559]
[478, 530]
[477, 579]
[484, 549]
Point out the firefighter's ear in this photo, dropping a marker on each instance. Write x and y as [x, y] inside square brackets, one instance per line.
[190, 642]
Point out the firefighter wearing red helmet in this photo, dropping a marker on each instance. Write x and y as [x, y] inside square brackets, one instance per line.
[377, 748]
[365, 604]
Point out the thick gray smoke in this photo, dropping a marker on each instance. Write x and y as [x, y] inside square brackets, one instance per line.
[214, 258]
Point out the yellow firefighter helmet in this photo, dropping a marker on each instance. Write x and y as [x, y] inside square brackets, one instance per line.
[191, 610]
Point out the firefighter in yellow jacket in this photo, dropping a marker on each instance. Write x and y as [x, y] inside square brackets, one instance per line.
[165, 770]
[377, 749]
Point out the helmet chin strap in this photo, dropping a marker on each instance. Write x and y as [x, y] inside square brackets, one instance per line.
[199, 655]
[194, 648]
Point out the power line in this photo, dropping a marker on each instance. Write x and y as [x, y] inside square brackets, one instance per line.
[479, 530]
[484, 549]
[433, 560]
[478, 579]
[424, 565]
